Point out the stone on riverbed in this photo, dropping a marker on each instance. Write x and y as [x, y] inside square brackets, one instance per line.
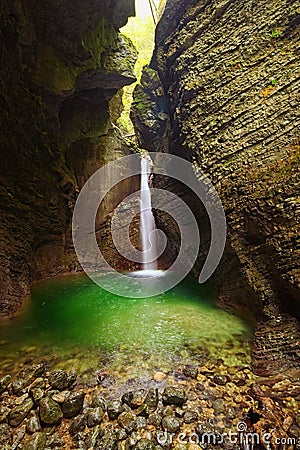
[144, 444]
[114, 409]
[18, 414]
[37, 394]
[50, 412]
[190, 417]
[171, 424]
[26, 376]
[127, 420]
[159, 376]
[78, 424]
[134, 399]
[98, 400]
[138, 398]
[36, 442]
[55, 441]
[4, 382]
[4, 434]
[127, 397]
[219, 406]
[142, 410]
[73, 404]
[94, 416]
[221, 380]
[151, 400]
[174, 396]
[154, 419]
[190, 371]
[62, 380]
[59, 397]
[33, 424]
[109, 441]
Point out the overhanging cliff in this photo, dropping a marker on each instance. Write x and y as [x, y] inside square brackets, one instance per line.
[62, 63]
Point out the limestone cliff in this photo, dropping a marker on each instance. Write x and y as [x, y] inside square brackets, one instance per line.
[61, 64]
[230, 74]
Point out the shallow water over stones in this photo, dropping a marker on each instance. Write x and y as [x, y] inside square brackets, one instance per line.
[71, 323]
[90, 370]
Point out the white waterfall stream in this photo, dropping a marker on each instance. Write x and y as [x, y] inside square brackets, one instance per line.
[147, 226]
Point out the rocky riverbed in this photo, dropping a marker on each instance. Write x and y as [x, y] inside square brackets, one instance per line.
[209, 404]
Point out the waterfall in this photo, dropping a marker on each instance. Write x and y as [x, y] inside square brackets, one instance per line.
[147, 219]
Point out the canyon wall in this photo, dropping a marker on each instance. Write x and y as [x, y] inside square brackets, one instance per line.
[230, 75]
[62, 66]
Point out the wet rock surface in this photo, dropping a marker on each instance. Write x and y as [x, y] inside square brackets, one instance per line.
[36, 442]
[18, 414]
[50, 411]
[229, 75]
[73, 404]
[174, 396]
[152, 415]
[61, 380]
[63, 66]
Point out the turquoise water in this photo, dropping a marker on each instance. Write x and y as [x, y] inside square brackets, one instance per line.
[86, 326]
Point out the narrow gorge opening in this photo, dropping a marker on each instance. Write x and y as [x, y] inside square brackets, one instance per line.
[141, 30]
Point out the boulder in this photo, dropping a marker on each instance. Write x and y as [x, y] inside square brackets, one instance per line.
[50, 411]
[174, 396]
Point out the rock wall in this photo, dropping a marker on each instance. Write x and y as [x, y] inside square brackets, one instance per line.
[230, 75]
[62, 64]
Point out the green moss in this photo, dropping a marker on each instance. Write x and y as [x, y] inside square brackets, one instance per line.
[141, 30]
[52, 73]
[96, 41]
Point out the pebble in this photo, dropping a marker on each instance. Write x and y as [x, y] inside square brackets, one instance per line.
[99, 401]
[137, 398]
[78, 424]
[154, 419]
[4, 382]
[26, 376]
[221, 380]
[114, 409]
[145, 444]
[18, 414]
[73, 404]
[94, 416]
[191, 371]
[171, 424]
[37, 394]
[174, 396]
[151, 399]
[33, 424]
[159, 376]
[190, 417]
[219, 406]
[128, 421]
[36, 442]
[50, 412]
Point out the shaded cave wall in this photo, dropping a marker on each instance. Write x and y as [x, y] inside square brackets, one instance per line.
[62, 66]
[230, 74]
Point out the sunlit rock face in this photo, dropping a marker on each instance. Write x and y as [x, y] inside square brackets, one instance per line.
[62, 63]
[228, 70]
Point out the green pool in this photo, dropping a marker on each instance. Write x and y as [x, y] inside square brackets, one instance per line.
[73, 323]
